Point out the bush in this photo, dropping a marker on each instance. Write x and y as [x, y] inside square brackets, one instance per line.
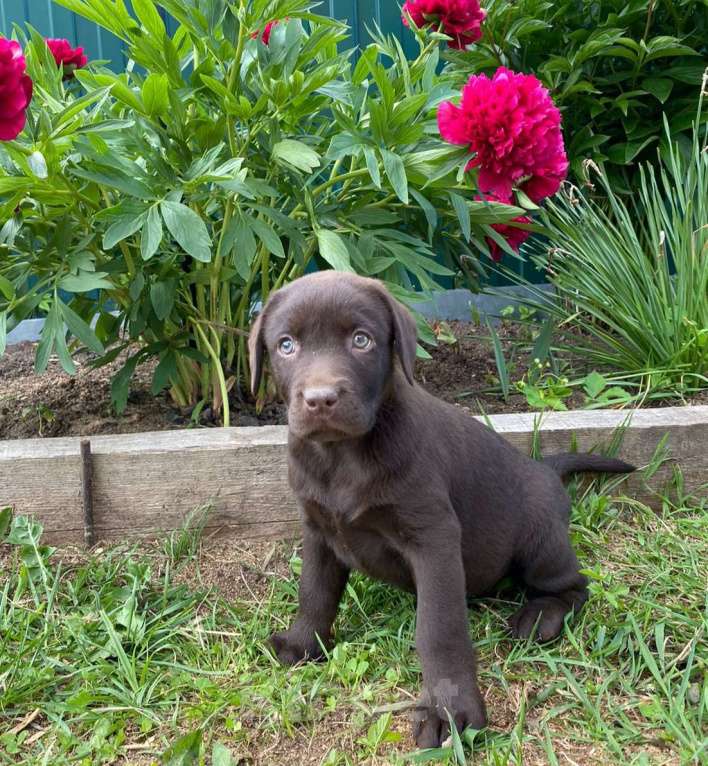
[614, 67]
[633, 280]
[168, 200]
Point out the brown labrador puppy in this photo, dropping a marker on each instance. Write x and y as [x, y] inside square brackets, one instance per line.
[398, 484]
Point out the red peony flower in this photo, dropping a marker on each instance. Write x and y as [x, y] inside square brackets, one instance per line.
[71, 58]
[265, 34]
[513, 235]
[460, 19]
[15, 90]
[513, 127]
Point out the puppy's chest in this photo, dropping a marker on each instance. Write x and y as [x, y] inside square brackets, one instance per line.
[345, 523]
[355, 513]
[347, 494]
[362, 538]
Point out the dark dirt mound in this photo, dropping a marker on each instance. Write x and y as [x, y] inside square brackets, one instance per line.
[463, 372]
[57, 404]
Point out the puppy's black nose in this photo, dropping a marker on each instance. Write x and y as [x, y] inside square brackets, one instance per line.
[320, 399]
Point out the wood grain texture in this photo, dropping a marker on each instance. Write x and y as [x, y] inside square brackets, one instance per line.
[686, 446]
[146, 484]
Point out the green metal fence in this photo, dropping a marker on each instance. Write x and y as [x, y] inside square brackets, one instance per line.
[52, 21]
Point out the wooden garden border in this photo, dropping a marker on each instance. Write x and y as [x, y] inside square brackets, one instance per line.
[142, 485]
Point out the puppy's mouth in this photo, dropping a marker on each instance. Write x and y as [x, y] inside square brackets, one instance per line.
[324, 435]
[325, 429]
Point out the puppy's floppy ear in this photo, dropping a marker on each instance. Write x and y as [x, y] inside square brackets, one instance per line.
[256, 351]
[256, 340]
[405, 334]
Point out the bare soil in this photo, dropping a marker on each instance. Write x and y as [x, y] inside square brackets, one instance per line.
[54, 403]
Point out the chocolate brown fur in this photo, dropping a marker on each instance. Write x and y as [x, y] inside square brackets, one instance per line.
[402, 486]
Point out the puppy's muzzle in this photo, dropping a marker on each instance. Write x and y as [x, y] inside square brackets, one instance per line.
[322, 404]
[320, 400]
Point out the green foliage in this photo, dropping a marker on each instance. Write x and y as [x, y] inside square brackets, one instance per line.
[165, 202]
[500, 361]
[545, 384]
[5, 520]
[377, 735]
[184, 752]
[599, 394]
[613, 67]
[633, 281]
[184, 543]
[546, 390]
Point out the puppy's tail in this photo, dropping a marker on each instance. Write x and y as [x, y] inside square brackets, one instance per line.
[573, 462]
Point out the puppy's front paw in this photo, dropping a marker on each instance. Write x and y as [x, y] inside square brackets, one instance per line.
[292, 647]
[431, 725]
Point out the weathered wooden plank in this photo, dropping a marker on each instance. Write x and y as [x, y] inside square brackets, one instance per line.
[146, 484]
[686, 445]
[150, 441]
[48, 488]
[154, 490]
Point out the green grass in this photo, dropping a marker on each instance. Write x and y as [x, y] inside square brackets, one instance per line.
[118, 656]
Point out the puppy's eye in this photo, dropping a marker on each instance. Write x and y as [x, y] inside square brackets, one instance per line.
[286, 346]
[361, 340]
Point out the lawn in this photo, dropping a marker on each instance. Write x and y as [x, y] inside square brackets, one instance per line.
[157, 654]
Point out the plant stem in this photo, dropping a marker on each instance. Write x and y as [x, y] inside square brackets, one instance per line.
[650, 13]
[219, 372]
[336, 179]
[233, 87]
[233, 83]
[218, 259]
[283, 274]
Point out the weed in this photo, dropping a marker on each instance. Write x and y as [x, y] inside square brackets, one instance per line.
[42, 413]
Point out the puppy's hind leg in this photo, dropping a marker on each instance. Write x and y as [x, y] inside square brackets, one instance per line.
[550, 570]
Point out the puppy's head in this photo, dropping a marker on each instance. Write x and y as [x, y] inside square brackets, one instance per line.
[332, 339]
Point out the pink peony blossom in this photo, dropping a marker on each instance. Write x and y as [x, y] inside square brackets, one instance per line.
[15, 90]
[265, 34]
[71, 58]
[513, 127]
[460, 19]
[513, 235]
